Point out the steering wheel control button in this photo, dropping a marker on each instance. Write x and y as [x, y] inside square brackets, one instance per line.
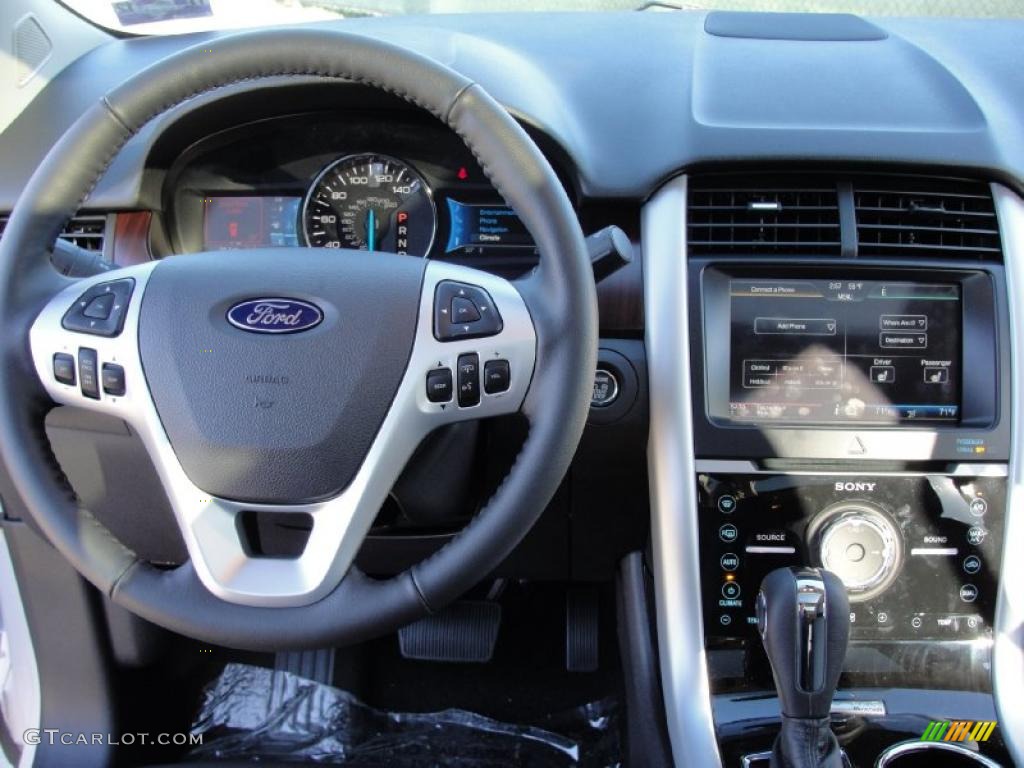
[112, 378]
[464, 311]
[728, 533]
[439, 385]
[88, 372]
[606, 389]
[968, 593]
[469, 380]
[101, 310]
[727, 504]
[64, 368]
[497, 376]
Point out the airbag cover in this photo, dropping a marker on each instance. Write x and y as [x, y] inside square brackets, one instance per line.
[277, 417]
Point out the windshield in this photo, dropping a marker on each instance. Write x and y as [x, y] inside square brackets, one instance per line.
[177, 16]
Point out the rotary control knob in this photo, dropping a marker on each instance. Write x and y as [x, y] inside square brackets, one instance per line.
[861, 545]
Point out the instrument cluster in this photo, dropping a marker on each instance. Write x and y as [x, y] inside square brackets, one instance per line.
[405, 187]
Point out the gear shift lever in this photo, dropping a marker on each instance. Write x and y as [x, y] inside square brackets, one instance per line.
[804, 619]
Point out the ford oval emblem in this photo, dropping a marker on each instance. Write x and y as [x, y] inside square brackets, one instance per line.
[275, 315]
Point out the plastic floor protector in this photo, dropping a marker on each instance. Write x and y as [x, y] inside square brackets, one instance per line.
[253, 713]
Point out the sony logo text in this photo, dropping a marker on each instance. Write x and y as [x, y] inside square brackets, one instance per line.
[869, 487]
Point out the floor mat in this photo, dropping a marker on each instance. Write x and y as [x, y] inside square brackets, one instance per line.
[257, 713]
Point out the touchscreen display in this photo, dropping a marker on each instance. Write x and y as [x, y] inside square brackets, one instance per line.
[860, 351]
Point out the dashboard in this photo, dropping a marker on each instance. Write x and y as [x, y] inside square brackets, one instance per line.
[830, 367]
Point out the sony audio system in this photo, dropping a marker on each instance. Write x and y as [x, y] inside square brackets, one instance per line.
[918, 553]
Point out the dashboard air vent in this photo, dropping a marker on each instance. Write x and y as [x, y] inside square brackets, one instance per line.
[85, 231]
[753, 215]
[934, 217]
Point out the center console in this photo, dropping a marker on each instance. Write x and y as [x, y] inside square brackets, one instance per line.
[851, 414]
[829, 367]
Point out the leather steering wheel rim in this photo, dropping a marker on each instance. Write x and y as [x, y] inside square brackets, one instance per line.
[559, 295]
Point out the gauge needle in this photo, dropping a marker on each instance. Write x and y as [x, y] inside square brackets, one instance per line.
[371, 230]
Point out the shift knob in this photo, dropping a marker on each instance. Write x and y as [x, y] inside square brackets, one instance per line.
[803, 615]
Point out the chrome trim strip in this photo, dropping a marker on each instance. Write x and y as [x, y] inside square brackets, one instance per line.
[751, 760]
[1008, 654]
[26, 708]
[859, 707]
[340, 524]
[670, 461]
[763, 759]
[746, 467]
[893, 753]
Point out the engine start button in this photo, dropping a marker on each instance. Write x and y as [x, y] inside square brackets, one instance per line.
[606, 389]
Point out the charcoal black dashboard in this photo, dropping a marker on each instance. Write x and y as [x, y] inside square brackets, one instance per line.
[931, 92]
[625, 105]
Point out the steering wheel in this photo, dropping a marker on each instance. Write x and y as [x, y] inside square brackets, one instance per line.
[291, 381]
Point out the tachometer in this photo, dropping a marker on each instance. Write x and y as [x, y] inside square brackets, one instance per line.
[370, 202]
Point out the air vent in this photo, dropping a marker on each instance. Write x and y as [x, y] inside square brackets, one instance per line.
[919, 216]
[753, 215]
[88, 232]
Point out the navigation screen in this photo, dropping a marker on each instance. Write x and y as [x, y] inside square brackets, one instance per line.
[863, 351]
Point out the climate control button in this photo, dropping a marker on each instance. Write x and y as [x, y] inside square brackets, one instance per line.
[976, 535]
[728, 533]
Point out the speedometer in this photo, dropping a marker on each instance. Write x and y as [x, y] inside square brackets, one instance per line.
[370, 202]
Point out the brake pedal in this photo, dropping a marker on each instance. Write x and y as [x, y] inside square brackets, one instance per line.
[582, 614]
[466, 631]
